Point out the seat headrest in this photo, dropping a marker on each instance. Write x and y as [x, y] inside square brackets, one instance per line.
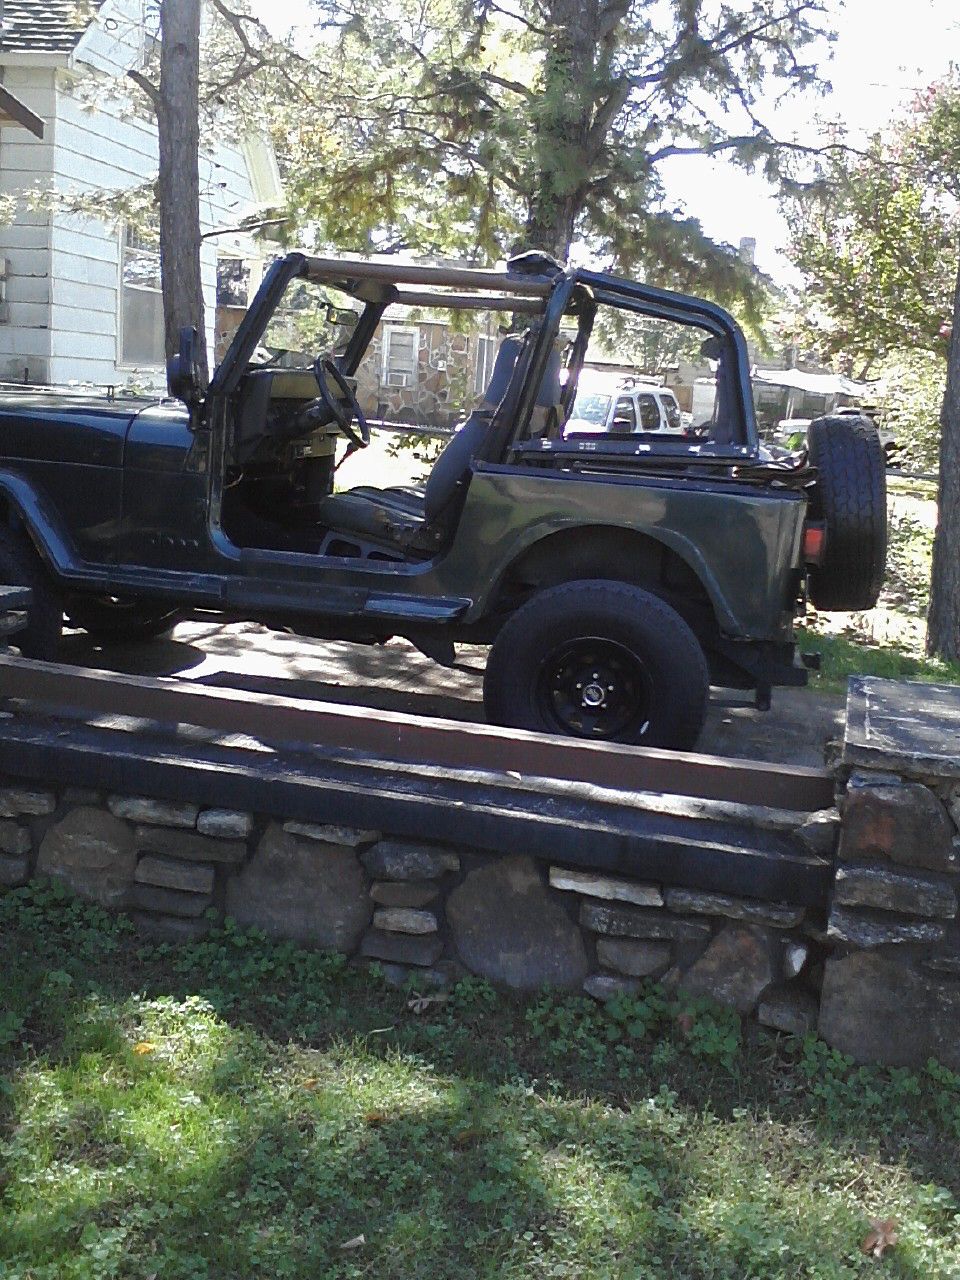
[550, 390]
[504, 365]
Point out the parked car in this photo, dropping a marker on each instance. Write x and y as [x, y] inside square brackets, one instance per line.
[791, 433]
[609, 402]
[614, 575]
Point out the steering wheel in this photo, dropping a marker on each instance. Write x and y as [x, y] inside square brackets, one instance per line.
[342, 414]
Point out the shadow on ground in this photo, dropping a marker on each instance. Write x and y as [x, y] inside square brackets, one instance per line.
[397, 677]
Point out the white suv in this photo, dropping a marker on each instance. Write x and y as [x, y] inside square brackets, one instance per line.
[614, 403]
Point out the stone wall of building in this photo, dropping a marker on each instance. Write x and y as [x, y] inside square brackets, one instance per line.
[441, 391]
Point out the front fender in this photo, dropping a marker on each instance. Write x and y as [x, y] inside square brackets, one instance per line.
[24, 507]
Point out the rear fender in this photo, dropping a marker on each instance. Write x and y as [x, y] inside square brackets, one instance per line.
[608, 552]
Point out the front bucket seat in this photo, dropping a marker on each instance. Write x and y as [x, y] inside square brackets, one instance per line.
[395, 517]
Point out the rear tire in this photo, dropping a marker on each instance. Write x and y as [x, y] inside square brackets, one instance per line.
[600, 660]
[850, 496]
[20, 566]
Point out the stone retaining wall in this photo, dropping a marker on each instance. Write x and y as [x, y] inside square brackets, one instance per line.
[891, 990]
[427, 910]
[876, 968]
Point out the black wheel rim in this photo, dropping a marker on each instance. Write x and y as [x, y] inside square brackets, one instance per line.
[593, 687]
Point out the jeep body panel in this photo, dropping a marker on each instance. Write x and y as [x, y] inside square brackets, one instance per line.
[742, 543]
[57, 452]
[165, 483]
[752, 535]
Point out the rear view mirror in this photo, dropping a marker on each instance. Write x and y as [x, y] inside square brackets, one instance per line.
[183, 372]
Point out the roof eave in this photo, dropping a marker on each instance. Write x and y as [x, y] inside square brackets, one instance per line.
[35, 57]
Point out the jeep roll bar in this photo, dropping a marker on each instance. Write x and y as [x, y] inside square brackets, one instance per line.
[531, 284]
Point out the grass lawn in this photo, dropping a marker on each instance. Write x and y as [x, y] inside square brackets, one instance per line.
[240, 1109]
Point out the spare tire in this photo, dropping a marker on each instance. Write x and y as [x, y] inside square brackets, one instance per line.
[850, 497]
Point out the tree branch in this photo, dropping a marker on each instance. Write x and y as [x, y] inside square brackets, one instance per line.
[147, 87]
[513, 85]
[745, 140]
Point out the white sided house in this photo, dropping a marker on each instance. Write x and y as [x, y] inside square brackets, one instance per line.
[81, 296]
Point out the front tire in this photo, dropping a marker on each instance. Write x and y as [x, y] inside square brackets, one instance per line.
[600, 660]
[20, 566]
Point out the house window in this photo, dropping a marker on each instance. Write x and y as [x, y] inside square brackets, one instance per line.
[141, 303]
[400, 346]
[486, 358]
[233, 282]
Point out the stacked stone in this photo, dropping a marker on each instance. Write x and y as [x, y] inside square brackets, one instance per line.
[409, 879]
[892, 985]
[160, 859]
[179, 852]
[305, 882]
[740, 952]
[419, 909]
[19, 808]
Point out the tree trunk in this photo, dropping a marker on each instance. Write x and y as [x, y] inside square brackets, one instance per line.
[550, 225]
[178, 125]
[943, 617]
[572, 118]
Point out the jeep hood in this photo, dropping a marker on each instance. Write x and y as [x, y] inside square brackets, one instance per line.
[62, 427]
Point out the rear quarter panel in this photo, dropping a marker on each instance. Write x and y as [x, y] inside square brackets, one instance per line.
[742, 542]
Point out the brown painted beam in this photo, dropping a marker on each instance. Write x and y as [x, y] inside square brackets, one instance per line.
[13, 111]
[416, 739]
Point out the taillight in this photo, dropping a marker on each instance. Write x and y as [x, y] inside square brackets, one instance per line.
[814, 543]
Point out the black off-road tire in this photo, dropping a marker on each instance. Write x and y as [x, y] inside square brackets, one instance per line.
[20, 566]
[626, 635]
[850, 496]
[107, 619]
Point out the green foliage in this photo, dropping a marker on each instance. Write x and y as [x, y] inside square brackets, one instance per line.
[573, 1027]
[446, 127]
[843, 656]
[876, 237]
[651, 345]
[169, 1112]
[903, 606]
[909, 547]
[909, 398]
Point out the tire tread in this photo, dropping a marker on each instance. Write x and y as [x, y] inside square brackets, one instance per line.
[850, 496]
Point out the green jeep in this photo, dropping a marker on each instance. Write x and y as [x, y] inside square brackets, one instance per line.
[615, 575]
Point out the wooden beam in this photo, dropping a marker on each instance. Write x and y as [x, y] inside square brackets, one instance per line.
[417, 739]
[574, 826]
[13, 111]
